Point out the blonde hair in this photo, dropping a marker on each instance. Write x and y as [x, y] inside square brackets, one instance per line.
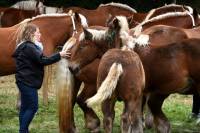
[26, 33]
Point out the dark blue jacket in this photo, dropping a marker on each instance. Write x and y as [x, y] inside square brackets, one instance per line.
[30, 63]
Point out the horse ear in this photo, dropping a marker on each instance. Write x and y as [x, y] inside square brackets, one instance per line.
[116, 23]
[130, 19]
[88, 35]
[109, 19]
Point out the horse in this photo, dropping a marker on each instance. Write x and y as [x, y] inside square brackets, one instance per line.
[116, 68]
[92, 121]
[50, 41]
[12, 16]
[168, 8]
[160, 35]
[60, 24]
[176, 19]
[28, 5]
[159, 83]
[100, 15]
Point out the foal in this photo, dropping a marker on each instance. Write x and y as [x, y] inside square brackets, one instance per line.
[116, 68]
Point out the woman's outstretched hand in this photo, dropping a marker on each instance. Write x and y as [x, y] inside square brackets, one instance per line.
[65, 54]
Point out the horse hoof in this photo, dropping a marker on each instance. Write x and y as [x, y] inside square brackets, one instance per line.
[148, 122]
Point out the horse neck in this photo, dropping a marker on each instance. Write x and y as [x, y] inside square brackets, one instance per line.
[139, 17]
[74, 9]
[164, 10]
[179, 21]
[114, 10]
[55, 29]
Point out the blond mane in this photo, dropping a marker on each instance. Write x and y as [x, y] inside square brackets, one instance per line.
[119, 5]
[138, 28]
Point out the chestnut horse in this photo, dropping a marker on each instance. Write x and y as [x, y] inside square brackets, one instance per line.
[160, 35]
[159, 83]
[168, 8]
[177, 19]
[92, 122]
[50, 41]
[100, 15]
[29, 5]
[116, 68]
[60, 28]
[12, 16]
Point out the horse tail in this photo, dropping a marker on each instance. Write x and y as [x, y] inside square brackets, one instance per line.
[47, 84]
[65, 82]
[108, 85]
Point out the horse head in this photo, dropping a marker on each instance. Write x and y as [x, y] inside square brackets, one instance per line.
[93, 42]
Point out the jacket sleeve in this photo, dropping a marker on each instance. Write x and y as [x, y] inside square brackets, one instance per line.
[37, 56]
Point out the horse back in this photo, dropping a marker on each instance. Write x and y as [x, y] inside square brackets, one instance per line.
[132, 79]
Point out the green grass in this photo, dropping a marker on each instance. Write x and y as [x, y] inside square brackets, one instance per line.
[176, 107]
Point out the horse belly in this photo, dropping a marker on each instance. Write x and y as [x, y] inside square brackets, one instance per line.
[131, 83]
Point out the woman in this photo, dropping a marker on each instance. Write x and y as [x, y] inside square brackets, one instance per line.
[30, 63]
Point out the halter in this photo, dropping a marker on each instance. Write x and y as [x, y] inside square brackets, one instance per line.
[71, 14]
[74, 26]
[193, 22]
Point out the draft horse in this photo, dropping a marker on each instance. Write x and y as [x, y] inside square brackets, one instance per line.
[176, 19]
[175, 77]
[116, 68]
[108, 37]
[12, 16]
[100, 15]
[60, 28]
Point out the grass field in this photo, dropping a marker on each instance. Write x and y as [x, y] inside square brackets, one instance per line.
[176, 107]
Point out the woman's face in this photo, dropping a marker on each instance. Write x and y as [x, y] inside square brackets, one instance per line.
[37, 35]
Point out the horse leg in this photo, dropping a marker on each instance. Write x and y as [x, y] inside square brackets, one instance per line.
[77, 85]
[131, 120]
[108, 114]
[92, 121]
[146, 114]
[148, 119]
[161, 122]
